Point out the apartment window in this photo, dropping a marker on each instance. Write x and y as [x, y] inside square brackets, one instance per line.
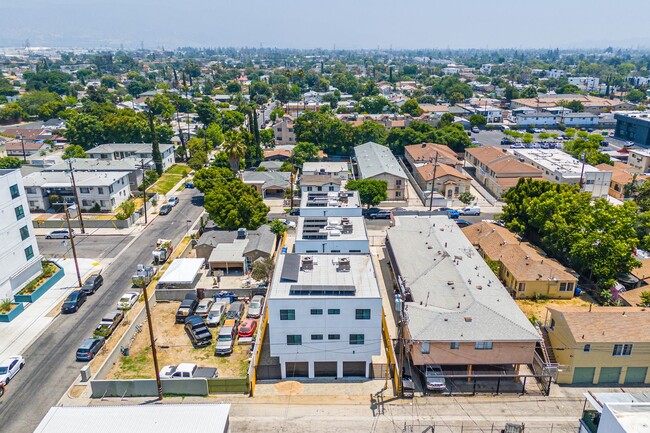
[29, 253]
[331, 188]
[110, 189]
[333, 336]
[294, 340]
[362, 314]
[316, 312]
[587, 348]
[454, 345]
[398, 194]
[319, 188]
[309, 188]
[566, 287]
[278, 129]
[30, 190]
[316, 337]
[356, 338]
[483, 345]
[86, 203]
[84, 190]
[20, 213]
[24, 232]
[522, 287]
[622, 350]
[287, 314]
[15, 192]
[398, 182]
[425, 347]
[102, 203]
[100, 190]
[333, 311]
[590, 182]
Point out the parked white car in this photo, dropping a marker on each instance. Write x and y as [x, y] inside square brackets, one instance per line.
[128, 300]
[60, 234]
[217, 312]
[288, 223]
[10, 367]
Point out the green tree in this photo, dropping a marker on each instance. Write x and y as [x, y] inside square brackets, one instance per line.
[84, 129]
[235, 148]
[263, 269]
[286, 167]
[511, 93]
[570, 132]
[529, 92]
[370, 131]
[278, 227]
[636, 96]
[233, 87]
[162, 106]
[31, 102]
[477, 120]
[233, 204]
[374, 104]
[528, 138]
[12, 112]
[74, 151]
[51, 81]
[109, 81]
[126, 209]
[51, 109]
[304, 152]
[645, 299]
[371, 191]
[267, 137]
[466, 198]
[10, 162]
[575, 105]
[411, 107]
[446, 119]
[206, 112]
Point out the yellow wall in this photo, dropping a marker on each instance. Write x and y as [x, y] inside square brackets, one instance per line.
[570, 354]
[544, 288]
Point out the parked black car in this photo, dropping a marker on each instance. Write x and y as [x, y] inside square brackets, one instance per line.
[73, 302]
[235, 311]
[295, 212]
[507, 141]
[198, 331]
[187, 308]
[89, 348]
[93, 283]
[165, 209]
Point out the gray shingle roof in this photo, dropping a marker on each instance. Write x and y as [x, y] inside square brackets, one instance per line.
[279, 179]
[456, 295]
[374, 159]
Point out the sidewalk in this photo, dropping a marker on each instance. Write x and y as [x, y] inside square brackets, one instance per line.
[18, 335]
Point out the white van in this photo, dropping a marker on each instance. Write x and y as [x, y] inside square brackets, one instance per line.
[471, 210]
[59, 234]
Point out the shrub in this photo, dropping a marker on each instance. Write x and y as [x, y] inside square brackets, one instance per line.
[5, 306]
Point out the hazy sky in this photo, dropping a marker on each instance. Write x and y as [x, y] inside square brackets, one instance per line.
[323, 24]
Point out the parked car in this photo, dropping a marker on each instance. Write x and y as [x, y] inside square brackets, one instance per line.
[235, 311]
[10, 367]
[382, 214]
[255, 307]
[225, 341]
[73, 302]
[204, 307]
[187, 307]
[463, 223]
[295, 212]
[189, 185]
[93, 283]
[128, 300]
[109, 324]
[60, 234]
[89, 348]
[173, 201]
[217, 312]
[453, 214]
[516, 146]
[434, 378]
[247, 328]
[188, 370]
[470, 210]
[370, 211]
[198, 331]
[475, 130]
[165, 209]
[290, 224]
[506, 141]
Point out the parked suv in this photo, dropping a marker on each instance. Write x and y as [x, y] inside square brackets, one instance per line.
[60, 234]
[93, 283]
[89, 348]
[434, 378]
[187, 308]
[198, 331]
[382, 214]
[225, 341]
[235, 311]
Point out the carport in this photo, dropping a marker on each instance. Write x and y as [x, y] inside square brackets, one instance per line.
[229, 257]
[181, 274]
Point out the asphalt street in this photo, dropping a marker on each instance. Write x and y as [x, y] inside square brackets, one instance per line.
[50, 362]
[87, 246]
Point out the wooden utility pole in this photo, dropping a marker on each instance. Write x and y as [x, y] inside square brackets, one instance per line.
[152, 340]
[144, 189]
[70, 235]
[76, 197]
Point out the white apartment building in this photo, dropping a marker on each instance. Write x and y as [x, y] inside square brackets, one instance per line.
[336, 169]
[640, 159]
[334, 204]
[324, 315]
[331, 235]
[588, 84]
[107, 189]
[556, 73]
[143, 151]
[561, 167]
[20, 258]
[537, 118]
[486, 69]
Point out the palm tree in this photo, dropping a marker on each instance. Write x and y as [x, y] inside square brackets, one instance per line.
[235, 149]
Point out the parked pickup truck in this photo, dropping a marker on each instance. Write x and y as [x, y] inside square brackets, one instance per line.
[188, 370]
[109, 323]
[187, 308]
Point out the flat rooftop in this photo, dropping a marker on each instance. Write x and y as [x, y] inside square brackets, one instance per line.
[556, 161]
[340, 199]
[331, 228]
[324, 276]
[455, 295]
[61, 179]
[325, 167]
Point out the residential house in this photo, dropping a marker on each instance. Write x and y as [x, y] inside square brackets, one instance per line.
[600, 345]
[561, 167]
[425, 153]
[283, 131]
[524, 271]
[270, 184]
[277, 154]
[375, 161]
[103, 190]
[443, 179]
[497, 170]
[235, 251]
[327, 168]
[325, 314]
[141, 151]
[319, 183]
[460, 316]
[19, 148]
[623, 176]
[271, 165]
[21, 260]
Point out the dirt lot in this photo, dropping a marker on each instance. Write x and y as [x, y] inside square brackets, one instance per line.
[538, 308]
[174, 347]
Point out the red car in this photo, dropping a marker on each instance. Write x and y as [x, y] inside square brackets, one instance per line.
[247, 328]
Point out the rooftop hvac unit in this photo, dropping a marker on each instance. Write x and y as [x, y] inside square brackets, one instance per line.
[344, 264]
[242, 233]
[335, 233]
[307, 263]
[347, 228]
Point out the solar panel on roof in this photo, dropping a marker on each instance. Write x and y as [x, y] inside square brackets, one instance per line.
[290, 268]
